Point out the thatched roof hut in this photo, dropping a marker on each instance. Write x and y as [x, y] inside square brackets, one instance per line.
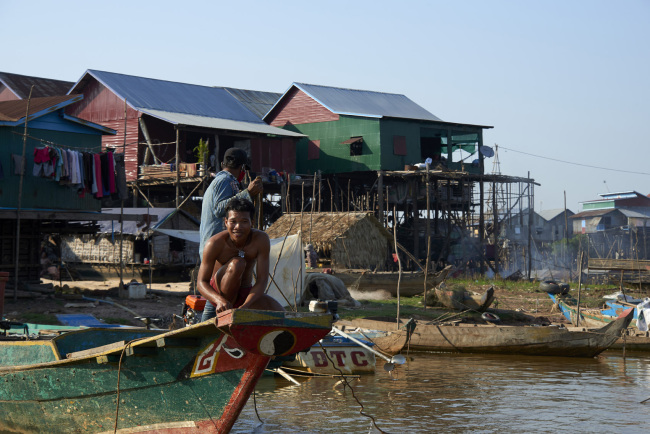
[350, 240]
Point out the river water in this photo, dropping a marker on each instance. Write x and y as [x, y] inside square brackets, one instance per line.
[457, 393]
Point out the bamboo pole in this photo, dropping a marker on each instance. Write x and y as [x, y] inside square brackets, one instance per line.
[311, 210]
[348, 196]
[426, 266]
[579, 288]
[319, 189]
[178, 165]
[399, 263]
[121, 287]
[20, 199]
[288, 197]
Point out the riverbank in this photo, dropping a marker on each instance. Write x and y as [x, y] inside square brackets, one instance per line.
[516, 302]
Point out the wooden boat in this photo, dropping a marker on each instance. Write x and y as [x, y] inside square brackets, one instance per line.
[195, 379]
[410, 284]
[335, 355]
[632, 338]
[385, 341]
[464, 300]
[521, 340]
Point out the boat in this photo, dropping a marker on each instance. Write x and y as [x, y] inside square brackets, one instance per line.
[631, 339]
[335, 355]
[389, 342]
[411, 283]
[194, 379]
[464, 300]
[503, 339]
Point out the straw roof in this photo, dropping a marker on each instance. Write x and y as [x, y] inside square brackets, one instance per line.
[354, 239]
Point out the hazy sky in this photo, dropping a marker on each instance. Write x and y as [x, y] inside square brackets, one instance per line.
[564, 83]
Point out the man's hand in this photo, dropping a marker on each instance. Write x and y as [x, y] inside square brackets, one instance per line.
[221, 304]
[255, 187]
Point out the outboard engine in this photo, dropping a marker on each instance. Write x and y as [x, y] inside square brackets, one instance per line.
[193, 309]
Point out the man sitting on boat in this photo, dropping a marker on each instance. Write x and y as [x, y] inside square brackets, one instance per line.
[226, 274]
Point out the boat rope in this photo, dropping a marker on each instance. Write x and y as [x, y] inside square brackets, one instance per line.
[299, 373]
[346, 383]
[255, 407]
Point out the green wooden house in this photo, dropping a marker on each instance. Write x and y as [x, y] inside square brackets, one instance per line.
[355, 130]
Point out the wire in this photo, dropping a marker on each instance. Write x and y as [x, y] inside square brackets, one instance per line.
[575, 164]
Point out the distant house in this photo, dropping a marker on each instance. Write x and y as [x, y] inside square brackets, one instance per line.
[348, 240]
[157, 235]
[547, 225]
[16, 86]
[162, 114]
[589, 222]
[629, 200]
[357, 130]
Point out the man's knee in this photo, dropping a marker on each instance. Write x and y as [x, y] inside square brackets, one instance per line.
[237, 265]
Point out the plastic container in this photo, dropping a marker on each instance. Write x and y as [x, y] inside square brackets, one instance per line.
[137, 290]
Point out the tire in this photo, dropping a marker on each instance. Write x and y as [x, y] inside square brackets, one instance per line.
[490, 317]
[550, 286]
[564, 288]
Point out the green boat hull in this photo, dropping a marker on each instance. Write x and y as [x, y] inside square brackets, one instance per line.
[195, 379]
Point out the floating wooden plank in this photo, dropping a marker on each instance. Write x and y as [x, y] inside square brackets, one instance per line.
[619, 264]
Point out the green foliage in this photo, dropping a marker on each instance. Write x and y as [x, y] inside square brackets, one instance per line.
[116, 320]
[40, 318]
[573, 245]
[201, 151]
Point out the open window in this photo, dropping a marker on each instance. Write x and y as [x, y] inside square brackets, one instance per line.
[356, 145]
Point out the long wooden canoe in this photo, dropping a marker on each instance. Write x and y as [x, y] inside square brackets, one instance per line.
[524, 340]
[388, 342]
[195, 379]
[632, 339]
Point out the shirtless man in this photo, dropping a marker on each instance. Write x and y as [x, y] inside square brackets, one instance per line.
[226, 273]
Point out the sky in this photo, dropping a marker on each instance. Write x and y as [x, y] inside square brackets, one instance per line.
[565, 84]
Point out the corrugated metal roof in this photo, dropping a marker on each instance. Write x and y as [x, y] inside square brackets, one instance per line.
[14, 111]
[633, 214]
[43, 87]
[222, 124]
[593, 213]
[257, 101]
[151, 94]
[366, 103]
[550, 214]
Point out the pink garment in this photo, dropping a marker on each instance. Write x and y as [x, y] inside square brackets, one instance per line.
[98, 176]
[111, 173]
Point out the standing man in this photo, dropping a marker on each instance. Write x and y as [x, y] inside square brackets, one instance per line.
[230, 258]
[223, 188]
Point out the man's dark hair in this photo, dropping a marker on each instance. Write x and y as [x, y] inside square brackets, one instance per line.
[240, 205]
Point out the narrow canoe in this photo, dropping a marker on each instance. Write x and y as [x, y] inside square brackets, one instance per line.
[388, 342]
[521, 340]
[195, 379]
[632, 339]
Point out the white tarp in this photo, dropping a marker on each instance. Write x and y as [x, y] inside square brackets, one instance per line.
[184, 234]
[288, 281]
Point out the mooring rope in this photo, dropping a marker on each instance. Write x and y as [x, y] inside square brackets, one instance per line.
[345, 383]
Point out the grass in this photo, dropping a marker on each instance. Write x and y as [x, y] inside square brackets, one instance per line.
[40, 318]
[116, 320]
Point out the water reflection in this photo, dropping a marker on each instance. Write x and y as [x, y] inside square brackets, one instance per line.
[465, 393]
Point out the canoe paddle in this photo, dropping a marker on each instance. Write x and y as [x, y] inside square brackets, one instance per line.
[397, 359]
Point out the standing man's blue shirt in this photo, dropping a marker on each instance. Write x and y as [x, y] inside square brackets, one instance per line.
[224, 187]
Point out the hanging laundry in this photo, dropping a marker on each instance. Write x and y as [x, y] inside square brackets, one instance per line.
[98, 176]
[120, 177]
[19, 164]
[111, 173]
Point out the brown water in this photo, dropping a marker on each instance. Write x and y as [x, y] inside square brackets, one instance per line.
[455, 393]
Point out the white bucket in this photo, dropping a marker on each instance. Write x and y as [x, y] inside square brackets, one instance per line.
[137, 290]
